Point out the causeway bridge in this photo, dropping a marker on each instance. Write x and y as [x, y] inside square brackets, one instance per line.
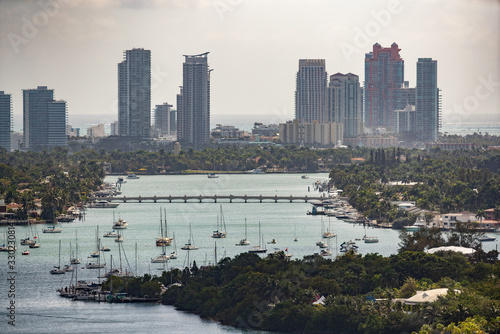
[214, 198]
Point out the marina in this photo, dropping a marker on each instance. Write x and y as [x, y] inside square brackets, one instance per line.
[279, 221]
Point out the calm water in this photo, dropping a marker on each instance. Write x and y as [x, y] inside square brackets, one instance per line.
[40, 309]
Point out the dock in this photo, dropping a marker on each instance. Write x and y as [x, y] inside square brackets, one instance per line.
[214, 198]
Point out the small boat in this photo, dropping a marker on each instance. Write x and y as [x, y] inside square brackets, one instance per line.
[132, 176]
[189, 245]
[322, 244]
[65, 218]
[94, 255]
[52, 229]
[105, 249]
[163, 258]
[212, 176]
[258, 249]
[57, 270]
[68, 268]
[120, 224]
[370, 240]
[111, 234]
[26, 252]
[119, 239]
[255, 171]
[244, 242]
[325, 252]
[173, 255]
[27, 242]
[486, 238]
[35, 245]
[219, 233]
[95, 265]
[272, 242]
[304, 176]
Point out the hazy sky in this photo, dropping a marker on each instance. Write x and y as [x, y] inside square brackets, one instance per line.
[74, 47]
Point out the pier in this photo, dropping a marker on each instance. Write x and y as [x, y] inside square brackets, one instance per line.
[214, 198]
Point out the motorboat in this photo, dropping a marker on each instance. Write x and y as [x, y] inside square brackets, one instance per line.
[26, 252]
[370, 240]
[486, 238]
[27, 242]
[212, 176]
[120, 224]
[132, 176]
[103, 204]
[105, 249]
[52, 229]
[111, 234]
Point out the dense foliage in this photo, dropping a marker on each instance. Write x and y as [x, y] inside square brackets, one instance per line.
[445, 181]
[276, 294]
[58, 179]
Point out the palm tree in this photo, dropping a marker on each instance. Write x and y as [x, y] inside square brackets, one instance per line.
[481, 214]
[496, 212]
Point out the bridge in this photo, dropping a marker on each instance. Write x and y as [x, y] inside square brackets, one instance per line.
[214, 198]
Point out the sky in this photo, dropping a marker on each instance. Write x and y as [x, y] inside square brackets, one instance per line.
[74, 46]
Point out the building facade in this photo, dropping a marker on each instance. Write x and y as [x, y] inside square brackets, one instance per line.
[163, 119]
[5, 121]
[134, 94]
[44, 119]
[296, 132]
[384, 75]
[193, 112]
[310, 93]
[427, 100]
[345, 103]
[96, 131]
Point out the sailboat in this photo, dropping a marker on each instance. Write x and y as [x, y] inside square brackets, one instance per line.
[52, 229]
[119, 238]
[258, 249]
[68, 267]
[369, 240]
[295, 233]
[327, 234]
[57, 270]
[244, 242]
[164, 240]
[96, 254]
[212, 175]
[173, 255]
[190, 246]
[75, 259]
[219, 233]
[27, 241]
[163, 257]
[35, 244]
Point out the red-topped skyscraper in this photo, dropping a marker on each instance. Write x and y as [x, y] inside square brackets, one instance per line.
[384, 75]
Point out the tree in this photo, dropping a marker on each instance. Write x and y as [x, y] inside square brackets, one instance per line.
[481, 214]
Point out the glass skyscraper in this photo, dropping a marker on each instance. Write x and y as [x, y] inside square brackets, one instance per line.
[134, 94]
[427, 107]
[193, 112]
[44, 119]
[5, 121]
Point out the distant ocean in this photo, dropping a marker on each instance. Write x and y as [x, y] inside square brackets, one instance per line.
[483, 123]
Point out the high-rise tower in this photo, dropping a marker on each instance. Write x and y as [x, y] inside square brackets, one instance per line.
[345, 103]
[5, 121]
[427, 107]
[384, 75]
[310, 93]
[134, 94]
[44, 119]
[193, 113]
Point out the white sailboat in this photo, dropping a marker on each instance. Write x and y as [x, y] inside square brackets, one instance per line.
[173, 255]
[219, 233]
[164, 240]
[244, 242]
[258, 249]
[96, 254]
[328, 234]
[189, 245]
[57, 270]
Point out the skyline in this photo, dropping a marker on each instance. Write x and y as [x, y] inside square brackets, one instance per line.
[254, 47]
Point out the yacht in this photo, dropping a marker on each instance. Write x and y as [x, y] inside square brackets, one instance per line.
[120, 224]
[52, 229]
[27, 242]
[370, 240]
[103, 205]
[212, 176]
[163, 258]
[132, 176]
[255, 171]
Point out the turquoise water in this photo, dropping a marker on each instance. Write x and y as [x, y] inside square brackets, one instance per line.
[40, 309]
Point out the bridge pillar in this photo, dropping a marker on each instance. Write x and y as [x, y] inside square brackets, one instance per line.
[154, 198]
[230, 198]
[260, 198]
[215, 198]
[305, 199]
[245, 198]
[200, 198]
[170, 198]
[291, 198]
[124, 199]
[140, 200]
[185, 198]
[275, 198]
